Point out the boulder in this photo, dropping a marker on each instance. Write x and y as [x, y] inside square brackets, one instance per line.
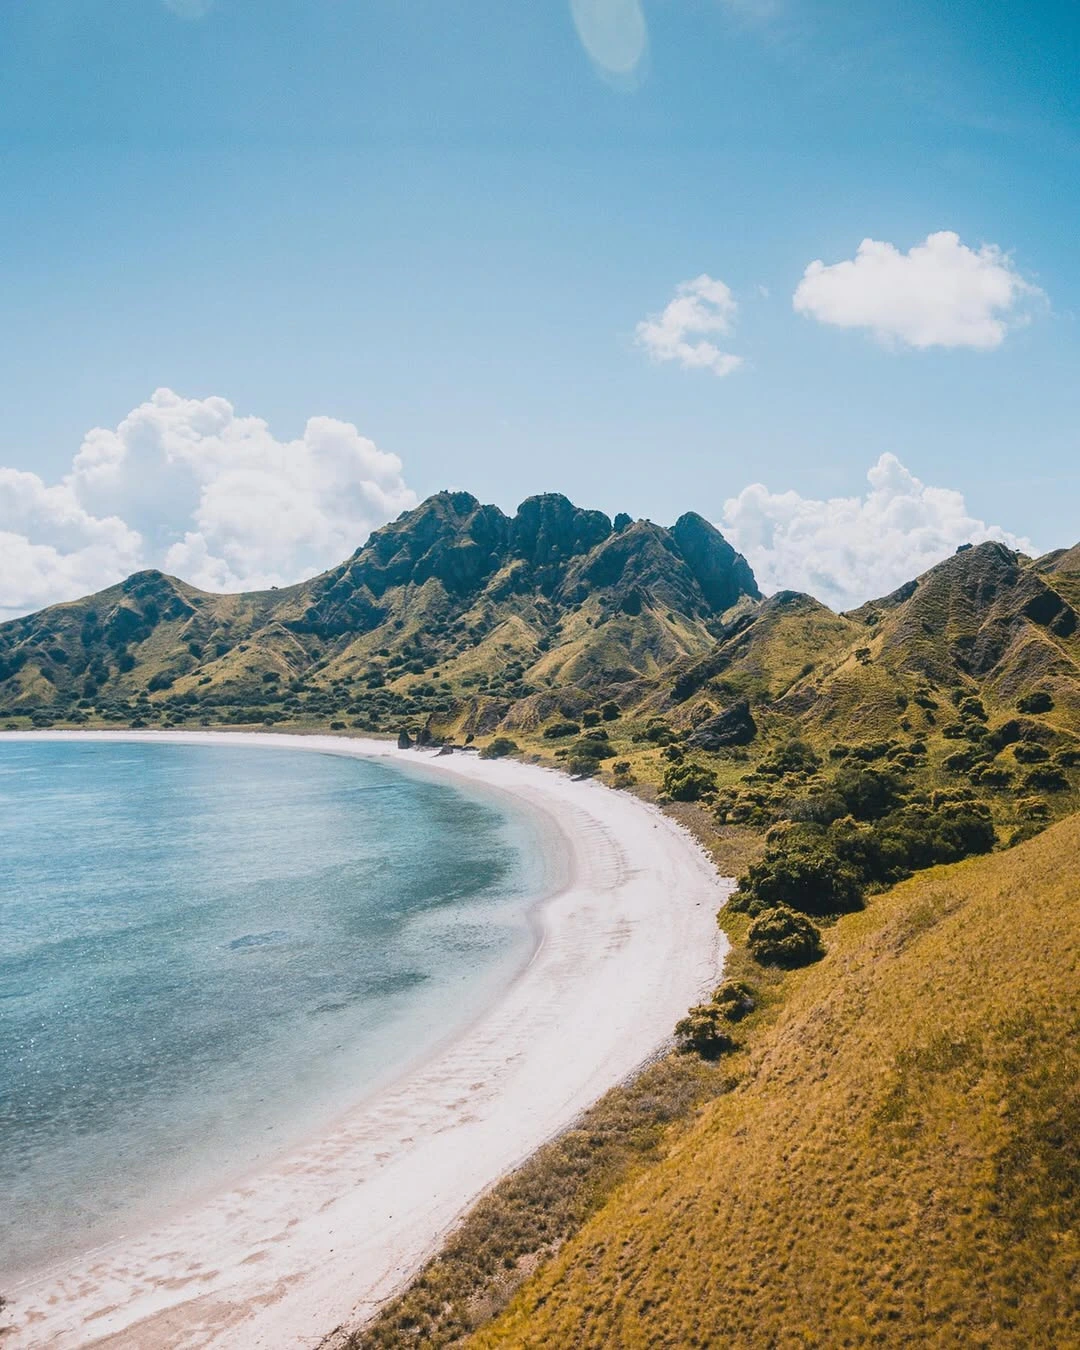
[734, 726]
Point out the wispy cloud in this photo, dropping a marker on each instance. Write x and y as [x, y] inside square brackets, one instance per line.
[702, 306]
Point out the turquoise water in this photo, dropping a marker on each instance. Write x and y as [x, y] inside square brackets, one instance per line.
[207, 952]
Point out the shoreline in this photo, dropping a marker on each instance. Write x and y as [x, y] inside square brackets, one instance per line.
[314, 1242]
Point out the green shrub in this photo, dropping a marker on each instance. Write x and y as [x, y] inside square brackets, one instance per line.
[734, 999]
[499, 748]
[1045, 778]
[582, 766]
[688, 781]
[867, 793]
[1033, 808]
[1030, 752]
[804, 875]
[702, 1031]
[610, 712]
[794, 757]
[992, 775]
[780, 937]
[591, 717]
[1038, 702]
[559, 729]
[593, 746]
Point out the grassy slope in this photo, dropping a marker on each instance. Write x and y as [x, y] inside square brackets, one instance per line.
[901, 1164]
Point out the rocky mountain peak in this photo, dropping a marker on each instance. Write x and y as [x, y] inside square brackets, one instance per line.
[723, 575]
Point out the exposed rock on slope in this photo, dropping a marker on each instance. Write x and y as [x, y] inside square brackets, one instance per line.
[496, 604]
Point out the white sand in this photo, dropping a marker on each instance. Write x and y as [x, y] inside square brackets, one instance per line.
[319, 1239]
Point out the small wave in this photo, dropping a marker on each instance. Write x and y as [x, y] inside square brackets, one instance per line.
[250, 940]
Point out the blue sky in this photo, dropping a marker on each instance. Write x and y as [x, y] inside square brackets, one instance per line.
[443, 223]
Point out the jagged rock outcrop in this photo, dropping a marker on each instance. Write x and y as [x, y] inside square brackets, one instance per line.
[723, 575]
[734, 726]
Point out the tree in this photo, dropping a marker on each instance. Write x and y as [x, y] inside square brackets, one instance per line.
[803, 875]
[867, 793]
[780, 937]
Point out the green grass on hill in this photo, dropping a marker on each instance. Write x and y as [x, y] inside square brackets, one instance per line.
[900, 1164]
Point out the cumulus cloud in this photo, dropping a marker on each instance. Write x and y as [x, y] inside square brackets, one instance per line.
[189, 486]
[701, 306]
[847, 550]
[939, 294]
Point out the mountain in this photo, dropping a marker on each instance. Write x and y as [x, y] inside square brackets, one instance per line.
[467, 620]
[856, 1170]
[900, 1162]
[986, 623]
[494, 607]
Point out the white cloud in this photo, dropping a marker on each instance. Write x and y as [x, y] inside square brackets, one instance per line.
[939, 294]
[700, 306]
[188, 486]
[848, 550]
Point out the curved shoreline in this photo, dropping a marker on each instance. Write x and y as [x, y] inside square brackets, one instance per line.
[321, 1237]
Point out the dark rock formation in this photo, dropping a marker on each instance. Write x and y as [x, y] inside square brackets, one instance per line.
[723, 575]
[734, 726]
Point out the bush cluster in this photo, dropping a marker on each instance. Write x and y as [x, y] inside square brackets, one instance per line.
[559, 729]
[688, 781]
[499, 748]
[705, 1028]
[825, 860]
[781, 937]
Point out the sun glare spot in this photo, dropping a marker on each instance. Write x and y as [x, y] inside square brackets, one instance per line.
[613, 33]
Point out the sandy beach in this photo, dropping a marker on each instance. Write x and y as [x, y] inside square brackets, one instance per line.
[319, 1239]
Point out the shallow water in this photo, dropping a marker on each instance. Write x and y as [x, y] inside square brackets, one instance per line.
[206, 953]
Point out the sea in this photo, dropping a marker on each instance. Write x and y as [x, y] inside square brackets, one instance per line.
[209, 953]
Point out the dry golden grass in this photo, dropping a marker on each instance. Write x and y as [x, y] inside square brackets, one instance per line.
[530, 1213]
[901, 1163]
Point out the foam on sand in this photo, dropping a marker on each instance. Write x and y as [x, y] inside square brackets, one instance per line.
[320, 1238]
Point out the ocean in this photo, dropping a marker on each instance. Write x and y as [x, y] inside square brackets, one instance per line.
[208, 953]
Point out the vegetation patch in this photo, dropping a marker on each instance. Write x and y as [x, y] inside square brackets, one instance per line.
[900, 1161]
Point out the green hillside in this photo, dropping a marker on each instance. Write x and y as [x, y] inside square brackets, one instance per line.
[900, 1162]
[885, 1152]
[453, 607]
